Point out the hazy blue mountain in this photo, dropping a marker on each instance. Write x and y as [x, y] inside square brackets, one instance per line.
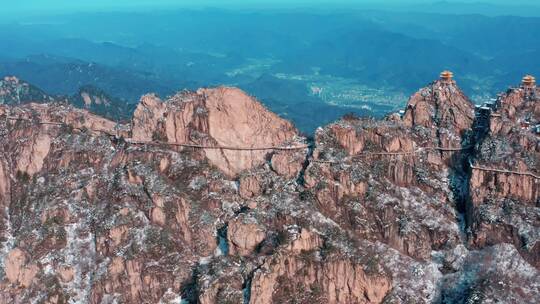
[64, 76]
[368, 61]
[100, 102]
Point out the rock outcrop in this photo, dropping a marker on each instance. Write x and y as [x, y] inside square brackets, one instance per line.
[18, 269]
[244, 235]
[326, 281]
[307, 273]
[391, 180]
[500, 265]
[504, 202]
[219, 117]
[167, 209]
[14, 91]
[442, 112]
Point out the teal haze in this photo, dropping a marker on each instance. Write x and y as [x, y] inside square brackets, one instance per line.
[39, 6]
[310, 61]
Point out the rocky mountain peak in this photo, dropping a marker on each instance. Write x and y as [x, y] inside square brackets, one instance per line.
[520, 105]
[16, 91]
[207, 197]
[441, 104]
[505, 179]
[216, 117]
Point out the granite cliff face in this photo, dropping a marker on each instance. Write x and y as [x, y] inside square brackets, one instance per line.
[216, 117]
[207, 197]
[386, 181]
[504, 204]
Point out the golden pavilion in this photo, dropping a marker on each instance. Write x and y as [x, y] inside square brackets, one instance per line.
[447, 75]
[528, 81]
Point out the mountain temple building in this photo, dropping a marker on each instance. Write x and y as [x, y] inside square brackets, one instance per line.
[447, 76]
[528, 81]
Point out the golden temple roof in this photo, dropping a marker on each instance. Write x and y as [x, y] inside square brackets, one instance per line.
[529, 80]
[447, 75]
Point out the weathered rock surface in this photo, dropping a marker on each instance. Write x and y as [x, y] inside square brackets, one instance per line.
[244, 235]
[306, 272]
[504, 206]
[18, 270]
[14, 91]
[98, 212]
[218, 117]
[502, 268]
[383, 179]
[326, 281]
[443, 107]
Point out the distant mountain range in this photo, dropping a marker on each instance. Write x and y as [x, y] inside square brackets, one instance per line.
[130, 54]
[14, 91]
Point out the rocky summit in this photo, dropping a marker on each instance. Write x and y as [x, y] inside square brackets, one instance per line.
[207, 197]
[15, 91]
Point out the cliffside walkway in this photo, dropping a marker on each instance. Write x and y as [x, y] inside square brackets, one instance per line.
[417, 151]
[285, 148]
[51, 123]
[216, 147]
[422, 149]
[530, 174]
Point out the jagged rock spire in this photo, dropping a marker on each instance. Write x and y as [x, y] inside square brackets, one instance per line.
[441, 104]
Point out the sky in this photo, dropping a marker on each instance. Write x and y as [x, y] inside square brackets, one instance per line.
[83, 5]
[16, 10]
